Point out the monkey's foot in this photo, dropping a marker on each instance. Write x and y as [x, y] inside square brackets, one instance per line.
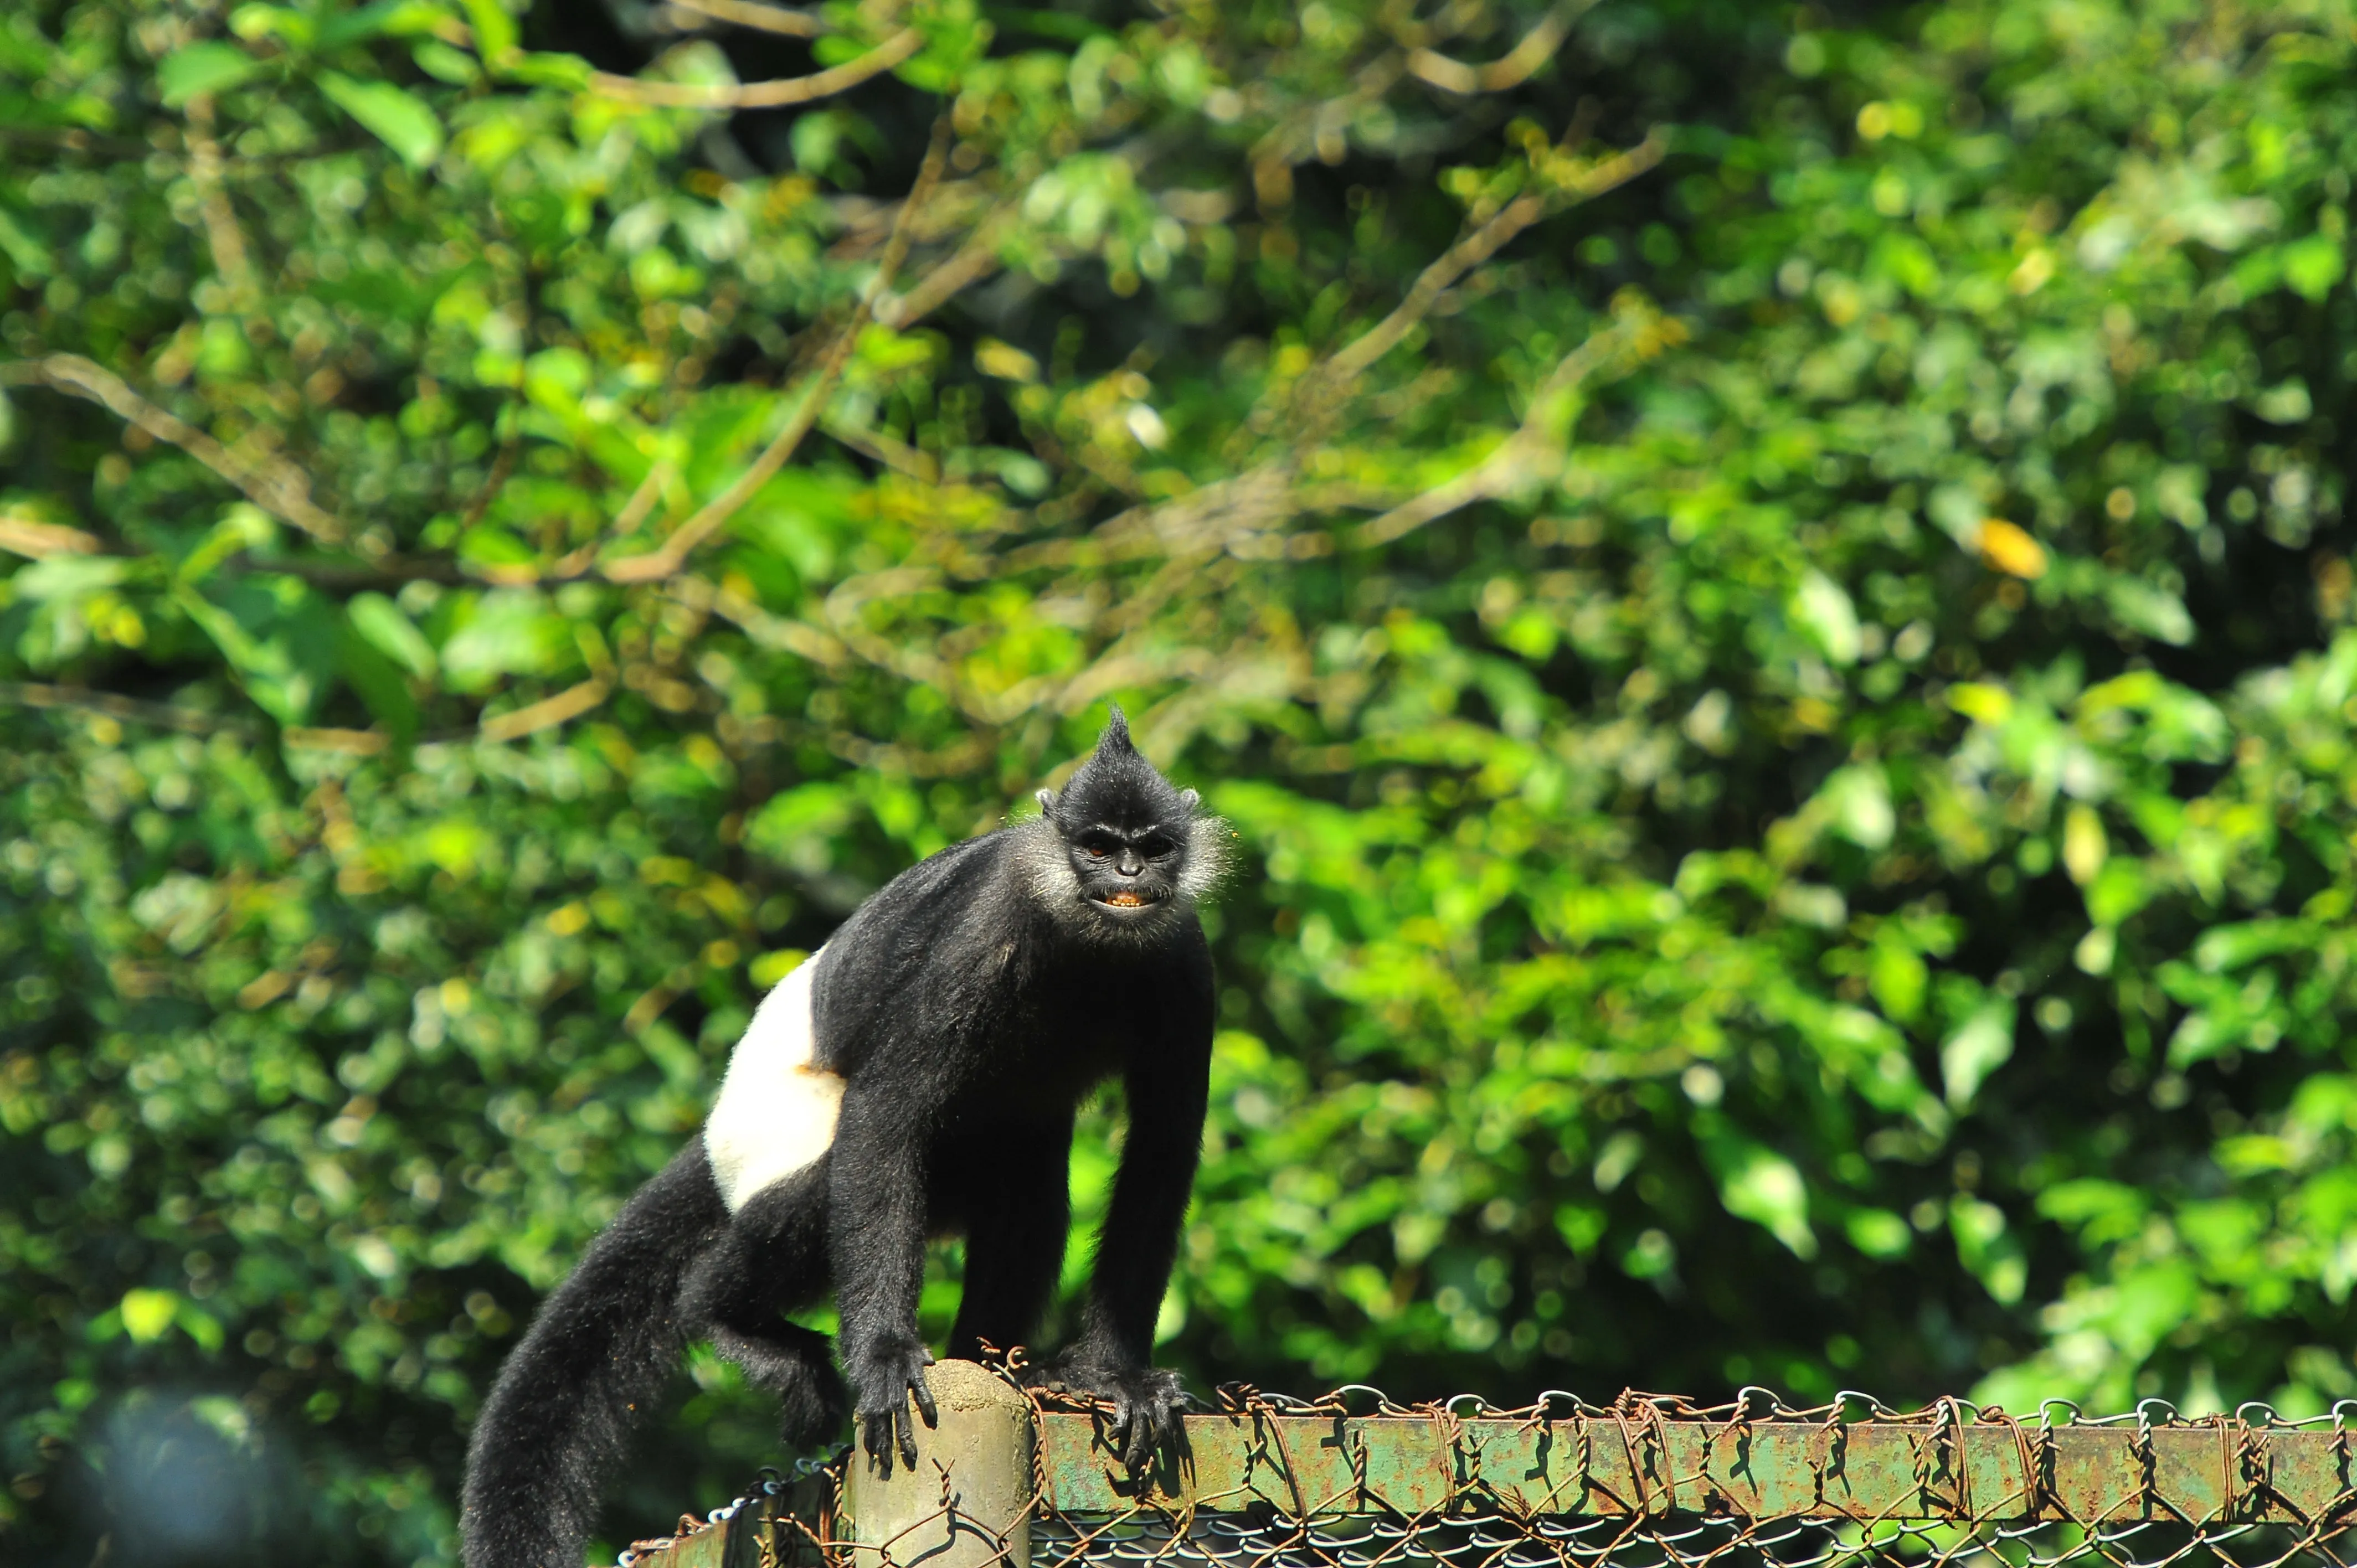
[1148, 1401]
[891, 1373]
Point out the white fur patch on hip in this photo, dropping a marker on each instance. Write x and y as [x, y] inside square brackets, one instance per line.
[777, 1108]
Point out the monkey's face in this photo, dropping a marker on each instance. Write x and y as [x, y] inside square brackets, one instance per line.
[1128, 873]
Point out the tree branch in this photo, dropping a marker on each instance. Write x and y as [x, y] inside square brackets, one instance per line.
[764, 94]
[274, 485]
[351, 742]
[1480, 245]
[1534, 452]
[106, 704]
[231, 261]
[971, 261]
[547, 713]
[38, 541]
[574, 563]
[766, 19]
[715, 513]
[1537, 47]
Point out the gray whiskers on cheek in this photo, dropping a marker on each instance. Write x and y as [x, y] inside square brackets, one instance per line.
[1207, 861]
[1041, 850]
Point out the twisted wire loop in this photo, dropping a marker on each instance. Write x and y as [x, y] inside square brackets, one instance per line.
[1355, 1479]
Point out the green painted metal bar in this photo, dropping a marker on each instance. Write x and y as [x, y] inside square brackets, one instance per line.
[1762, 1469]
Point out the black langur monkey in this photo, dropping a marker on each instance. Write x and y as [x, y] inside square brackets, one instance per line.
[917, 1075]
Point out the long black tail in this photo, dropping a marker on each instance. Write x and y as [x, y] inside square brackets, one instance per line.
[559, 1419]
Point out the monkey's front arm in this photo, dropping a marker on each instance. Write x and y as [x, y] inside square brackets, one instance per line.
[877, 1250]
[1167, 1087]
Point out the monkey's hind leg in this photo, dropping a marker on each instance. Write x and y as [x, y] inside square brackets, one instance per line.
[771, 1259]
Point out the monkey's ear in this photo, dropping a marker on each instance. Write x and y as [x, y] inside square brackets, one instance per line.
[1192, 798]
[1048, 804]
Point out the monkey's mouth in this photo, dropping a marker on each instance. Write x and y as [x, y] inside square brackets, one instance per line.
[1128, 898]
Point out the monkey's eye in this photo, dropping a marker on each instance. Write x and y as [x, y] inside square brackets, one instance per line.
[1154, 846]
[1097, 845]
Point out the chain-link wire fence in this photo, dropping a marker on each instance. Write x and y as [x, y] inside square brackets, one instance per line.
[1355, 1480]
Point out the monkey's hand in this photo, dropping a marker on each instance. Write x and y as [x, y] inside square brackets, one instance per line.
[887, 1378]
[1148, 1401]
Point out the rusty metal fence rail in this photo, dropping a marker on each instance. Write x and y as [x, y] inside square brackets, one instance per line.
[1353, 1480]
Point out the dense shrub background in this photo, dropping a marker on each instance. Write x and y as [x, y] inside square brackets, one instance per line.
[1765, 589]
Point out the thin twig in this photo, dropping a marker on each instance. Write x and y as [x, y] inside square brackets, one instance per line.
[765, 18]
[274, 485]
[777, 631]
[642, 500]
[106, 704]
[38, 541]
[1479, 246]
[575, 562]
[351, 742]
[715, 513]
[547, 713]
[1537, 47]
[971, 261]
[655, 998]
[764, 94]
[898, 455]
[1525, 456]
[1296, 137]
[231, 263]
[389, 572]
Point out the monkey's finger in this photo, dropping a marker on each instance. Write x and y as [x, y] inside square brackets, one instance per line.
[1158, 1425]
[1139, 1430]
[924, 1398]
[906, 1429]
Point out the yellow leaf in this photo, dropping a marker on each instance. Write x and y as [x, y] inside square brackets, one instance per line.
[773, 967]
[2084, 845]
[1981, 701]
[1005, 362]
[146, 1314]
[2011, 550]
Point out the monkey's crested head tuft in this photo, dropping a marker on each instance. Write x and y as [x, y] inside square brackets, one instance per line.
[1117, 732]
[1116, 787]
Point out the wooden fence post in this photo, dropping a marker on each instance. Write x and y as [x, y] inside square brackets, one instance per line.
[967, 1503]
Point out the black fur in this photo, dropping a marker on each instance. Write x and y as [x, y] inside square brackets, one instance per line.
[969, 1006]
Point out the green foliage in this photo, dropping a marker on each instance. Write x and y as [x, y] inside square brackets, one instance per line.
[1765, 603]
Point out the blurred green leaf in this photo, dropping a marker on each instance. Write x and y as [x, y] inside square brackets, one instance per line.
[400, 119]
[201, 70]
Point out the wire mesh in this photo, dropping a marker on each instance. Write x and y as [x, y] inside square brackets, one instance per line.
[1353, 1479]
